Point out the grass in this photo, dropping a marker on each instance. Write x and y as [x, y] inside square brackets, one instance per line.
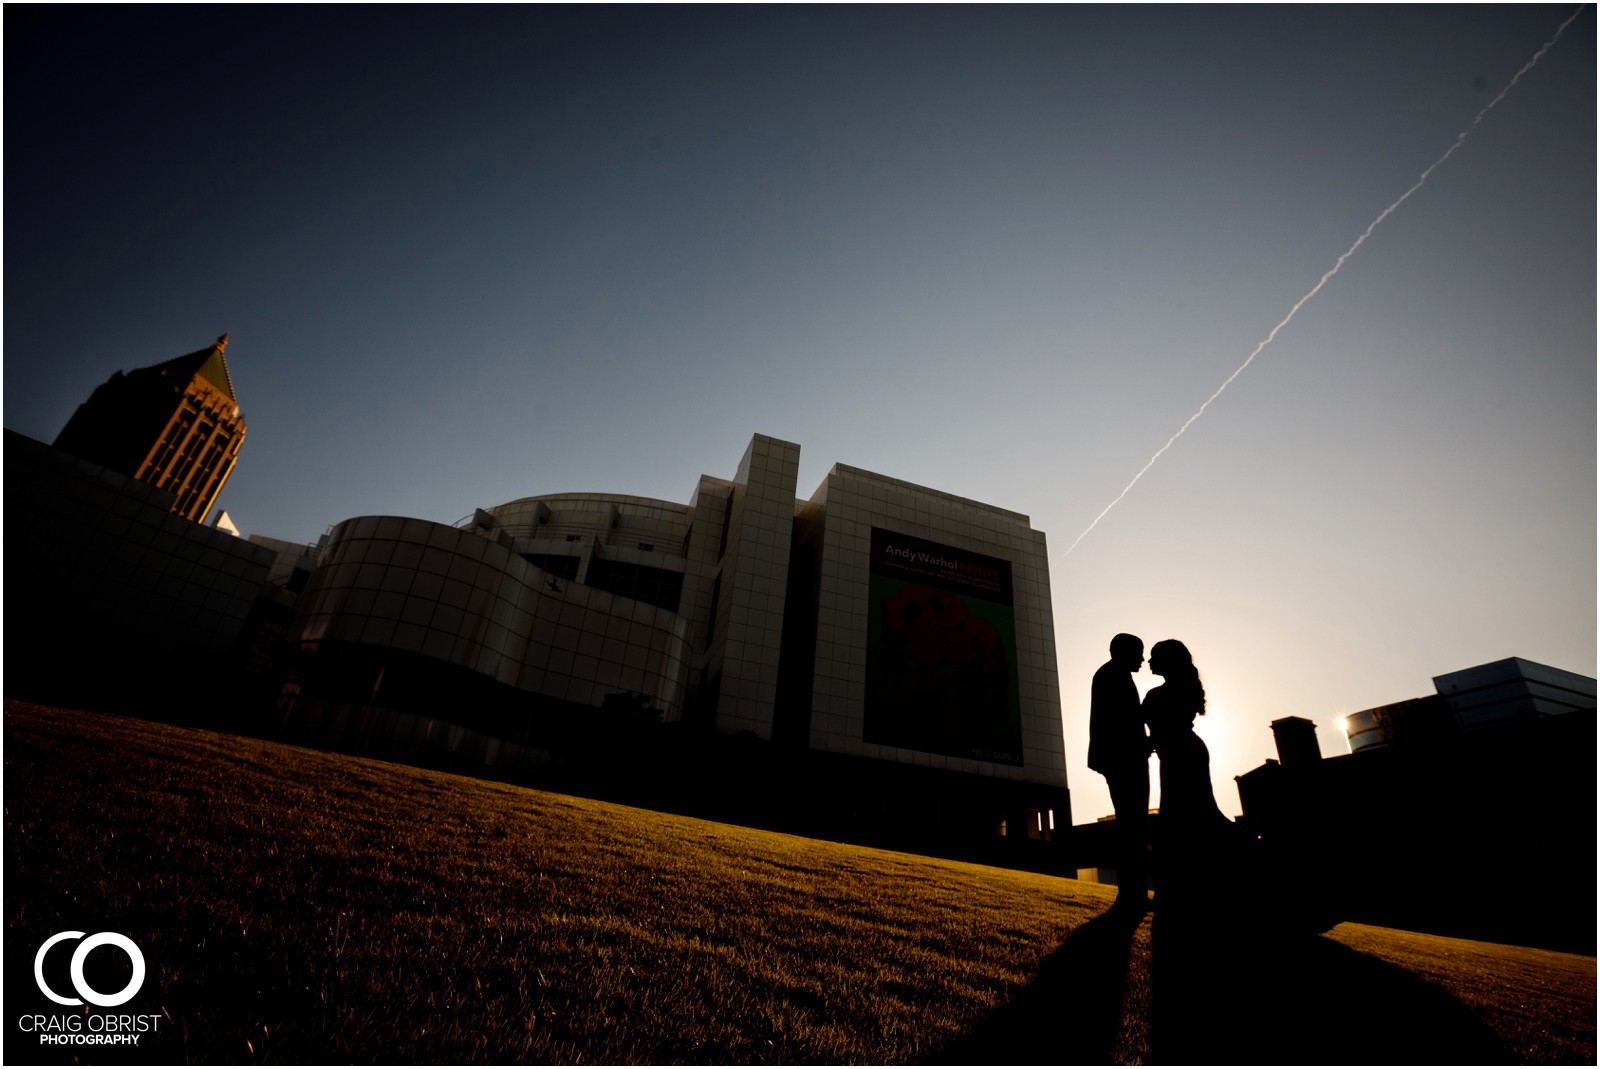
[1540, 1003]
[296, 906]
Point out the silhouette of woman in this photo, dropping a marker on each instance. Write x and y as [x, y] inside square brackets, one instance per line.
[1190, 829]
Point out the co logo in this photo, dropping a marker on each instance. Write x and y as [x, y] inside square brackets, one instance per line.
[87, 993]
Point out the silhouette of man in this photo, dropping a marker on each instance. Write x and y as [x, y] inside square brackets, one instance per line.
[1119, 750]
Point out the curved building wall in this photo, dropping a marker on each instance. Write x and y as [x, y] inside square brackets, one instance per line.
[122, 595]
[457, 598]
[629, 546]
[610, 519]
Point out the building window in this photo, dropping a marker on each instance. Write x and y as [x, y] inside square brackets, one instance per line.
[1036, 825]
[655, 586]
[559, 565]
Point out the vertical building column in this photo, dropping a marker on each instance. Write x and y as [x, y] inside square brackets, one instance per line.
[755, 577]
[218, 474]
[159, 462]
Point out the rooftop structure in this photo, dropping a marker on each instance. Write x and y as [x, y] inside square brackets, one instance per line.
[1485, 694]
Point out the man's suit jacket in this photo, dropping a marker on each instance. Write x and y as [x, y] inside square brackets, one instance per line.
[1117, 739]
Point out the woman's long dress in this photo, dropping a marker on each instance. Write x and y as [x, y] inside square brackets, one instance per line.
[1191, 836]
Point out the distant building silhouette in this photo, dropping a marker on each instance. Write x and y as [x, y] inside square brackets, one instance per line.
[1467, 812]
[1512, 689]
[175, 425]
[1296, 739]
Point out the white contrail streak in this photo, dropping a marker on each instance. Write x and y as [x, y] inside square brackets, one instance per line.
[1334, 270]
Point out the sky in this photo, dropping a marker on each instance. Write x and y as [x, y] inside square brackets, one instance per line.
[470, 255]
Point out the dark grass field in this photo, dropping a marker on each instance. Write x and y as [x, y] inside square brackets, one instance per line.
[295, 906]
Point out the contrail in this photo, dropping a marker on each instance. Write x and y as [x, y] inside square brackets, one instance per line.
[1334, 270]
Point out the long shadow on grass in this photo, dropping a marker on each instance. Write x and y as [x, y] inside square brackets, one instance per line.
[1192, 991]
[1072, 1014]
[1261, 995]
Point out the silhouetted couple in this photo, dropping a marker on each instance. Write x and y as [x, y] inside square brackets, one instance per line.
[1189, 827]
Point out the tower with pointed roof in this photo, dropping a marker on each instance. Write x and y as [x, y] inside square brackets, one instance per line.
[175, 425]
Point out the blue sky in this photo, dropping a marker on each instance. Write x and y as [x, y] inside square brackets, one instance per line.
[466, 256]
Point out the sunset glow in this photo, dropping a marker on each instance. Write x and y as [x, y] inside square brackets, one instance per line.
[467, 256]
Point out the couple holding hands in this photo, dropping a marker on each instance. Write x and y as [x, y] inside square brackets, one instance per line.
[1189, 823]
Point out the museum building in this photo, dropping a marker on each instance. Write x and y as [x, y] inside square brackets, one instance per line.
[888, 625]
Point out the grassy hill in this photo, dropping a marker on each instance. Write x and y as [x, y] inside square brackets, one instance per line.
[297, 906]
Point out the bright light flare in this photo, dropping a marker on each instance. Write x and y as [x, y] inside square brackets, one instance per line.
[1342, 723]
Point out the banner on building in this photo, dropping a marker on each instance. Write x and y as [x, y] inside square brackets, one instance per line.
[941, 651]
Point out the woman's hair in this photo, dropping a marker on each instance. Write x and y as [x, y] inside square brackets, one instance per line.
[1181, 672]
